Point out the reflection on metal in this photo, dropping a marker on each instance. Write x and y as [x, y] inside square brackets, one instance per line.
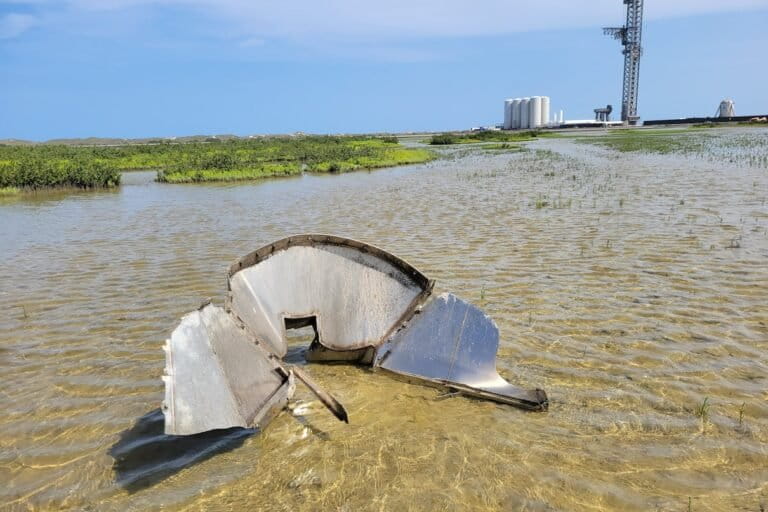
[215, 377]
[355, 292]
[365, 305]
[453, 343]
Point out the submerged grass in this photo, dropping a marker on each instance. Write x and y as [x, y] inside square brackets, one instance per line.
[701, 142]
[654, 141]
[702, 410]
[506, 146]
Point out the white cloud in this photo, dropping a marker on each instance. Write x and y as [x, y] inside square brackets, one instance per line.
[392, 19]
[305, 20]
[13, 25]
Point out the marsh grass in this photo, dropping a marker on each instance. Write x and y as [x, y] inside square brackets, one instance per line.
[484, 136]
[235, 161]
[32, 171]
[9, 191]
[702, 410]
[50, 166]
[700, 142]
[506, 146]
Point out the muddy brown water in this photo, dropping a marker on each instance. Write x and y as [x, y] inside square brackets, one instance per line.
[633, 288]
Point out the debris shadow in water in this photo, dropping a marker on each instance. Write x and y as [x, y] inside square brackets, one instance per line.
[144, 455]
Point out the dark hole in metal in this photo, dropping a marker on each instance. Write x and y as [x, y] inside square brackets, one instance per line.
[300, 334]
[301, 329]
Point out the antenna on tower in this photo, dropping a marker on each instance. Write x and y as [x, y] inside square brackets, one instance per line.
[630, 36]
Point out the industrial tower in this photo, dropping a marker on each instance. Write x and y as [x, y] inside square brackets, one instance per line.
[630, 35]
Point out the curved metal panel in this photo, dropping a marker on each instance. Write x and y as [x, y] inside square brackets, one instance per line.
[451, 342]
[357, 293]
[215, 377]
[223, 367]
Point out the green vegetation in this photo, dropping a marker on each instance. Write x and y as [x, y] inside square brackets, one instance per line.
[45, 166]
[443, 139]
[505, 146]
[482, 136]
[24, 168]
[727, 146]
[653, 141]
[702, 410]
[9, 191]
[285, 156]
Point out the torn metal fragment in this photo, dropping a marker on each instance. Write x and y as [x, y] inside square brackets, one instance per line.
[453, 343]
[328, 400]
[215, 377]
[365, 305]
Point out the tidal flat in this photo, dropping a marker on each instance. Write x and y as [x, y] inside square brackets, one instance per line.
[631, 285]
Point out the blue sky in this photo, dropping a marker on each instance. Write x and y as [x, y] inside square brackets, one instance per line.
[143, 68]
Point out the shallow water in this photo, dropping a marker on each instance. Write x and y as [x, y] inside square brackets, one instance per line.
[631, 287]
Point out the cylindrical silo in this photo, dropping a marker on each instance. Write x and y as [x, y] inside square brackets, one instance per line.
[524, 124]
[726, 109]
[534, 112]
[544, 110]
[507, 115]
[516, 113]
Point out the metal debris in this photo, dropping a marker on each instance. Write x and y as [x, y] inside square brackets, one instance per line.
[453, 343]
[224, 368]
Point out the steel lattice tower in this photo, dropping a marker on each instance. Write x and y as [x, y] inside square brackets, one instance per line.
[630, 36]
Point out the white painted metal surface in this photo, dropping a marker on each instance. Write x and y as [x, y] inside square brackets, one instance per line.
[544, 111]
[524, 111]
[355, 297]
[507, 125]
[727, 109]
[453, 343]
[534, 112]
[516, 113]
[223, 366]
[216, 377]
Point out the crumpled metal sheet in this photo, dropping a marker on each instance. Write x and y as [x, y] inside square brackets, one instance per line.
[367, 306]
[216, 377]
[453, 343]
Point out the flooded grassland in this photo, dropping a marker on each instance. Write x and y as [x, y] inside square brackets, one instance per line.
[631, 285]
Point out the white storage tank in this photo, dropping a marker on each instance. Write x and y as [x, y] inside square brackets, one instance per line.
[726, 109]
[507, 115]
[524, 110]
[544, 111]
[534, 112]
[516, 113]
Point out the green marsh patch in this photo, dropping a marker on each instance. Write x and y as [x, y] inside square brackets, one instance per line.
[58, 165]
[444, 139]
[27, 170]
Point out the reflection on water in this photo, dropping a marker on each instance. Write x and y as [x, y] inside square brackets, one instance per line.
[631, 287]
